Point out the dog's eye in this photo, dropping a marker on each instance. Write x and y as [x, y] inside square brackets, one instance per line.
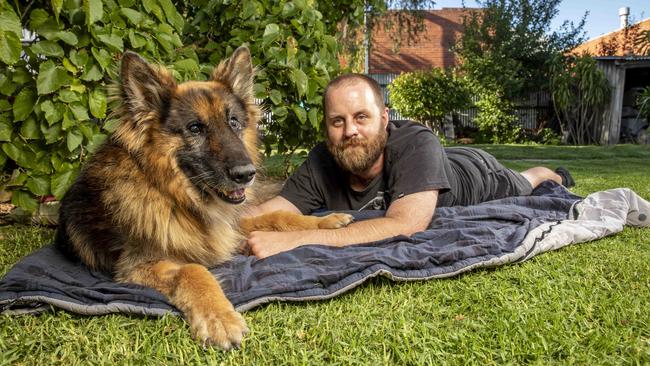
[196, 128]
[235, 124]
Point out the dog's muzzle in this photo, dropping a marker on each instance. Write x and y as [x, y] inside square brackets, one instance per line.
[243, 175]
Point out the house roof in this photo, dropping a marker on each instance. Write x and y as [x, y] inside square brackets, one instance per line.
[593, 46]
[432, 48]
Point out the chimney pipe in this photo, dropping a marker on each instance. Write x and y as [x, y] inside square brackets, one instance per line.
[623, 14]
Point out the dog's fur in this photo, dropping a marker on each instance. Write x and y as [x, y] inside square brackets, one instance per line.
[161, 199]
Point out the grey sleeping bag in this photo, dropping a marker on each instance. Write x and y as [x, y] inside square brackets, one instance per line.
[458, 239]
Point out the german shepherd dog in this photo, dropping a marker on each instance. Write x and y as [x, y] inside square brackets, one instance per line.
[161, 199]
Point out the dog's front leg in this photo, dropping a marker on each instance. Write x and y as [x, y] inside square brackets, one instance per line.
[289, 221]
[197, 294]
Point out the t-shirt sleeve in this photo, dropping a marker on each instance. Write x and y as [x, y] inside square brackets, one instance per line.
[301, 188]
[417, 163]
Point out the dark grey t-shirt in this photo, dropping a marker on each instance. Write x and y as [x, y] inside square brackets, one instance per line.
[414, 161]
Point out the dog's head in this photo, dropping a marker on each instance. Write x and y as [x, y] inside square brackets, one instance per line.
[203, 130]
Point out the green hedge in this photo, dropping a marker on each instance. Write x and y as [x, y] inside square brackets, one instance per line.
[296, 56]
[53, 91]
[427, 96]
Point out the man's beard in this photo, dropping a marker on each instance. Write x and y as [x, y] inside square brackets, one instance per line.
[357, 155]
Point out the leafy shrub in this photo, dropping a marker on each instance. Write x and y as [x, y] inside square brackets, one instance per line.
[495, 119]
[53, 100]
[579, 92]
[543, 136]
[643, 102]
[509, 43]
[549, 137]
[428, 96]
[53, 104]
[295, 55]
[505, 51]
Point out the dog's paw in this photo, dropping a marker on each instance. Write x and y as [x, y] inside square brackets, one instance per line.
[224, 329]
[335, 221]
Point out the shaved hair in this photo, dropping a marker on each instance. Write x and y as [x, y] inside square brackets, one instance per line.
[351, 79]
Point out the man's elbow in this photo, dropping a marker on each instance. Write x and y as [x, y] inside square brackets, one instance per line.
[412, 228]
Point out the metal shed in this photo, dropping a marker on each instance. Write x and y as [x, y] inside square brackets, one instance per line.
[625, 74]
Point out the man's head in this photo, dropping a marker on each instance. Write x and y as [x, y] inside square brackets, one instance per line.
[355, 120]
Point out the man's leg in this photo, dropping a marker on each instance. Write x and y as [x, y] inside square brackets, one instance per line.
[482, 178]
[539, 174]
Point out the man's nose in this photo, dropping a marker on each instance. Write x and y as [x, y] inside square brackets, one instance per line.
[351, 129]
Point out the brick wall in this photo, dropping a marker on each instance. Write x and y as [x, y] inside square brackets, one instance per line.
[431, 49]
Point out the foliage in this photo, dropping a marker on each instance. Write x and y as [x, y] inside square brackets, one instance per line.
[579, 92]
[496, 118]
[548, 137]
[505, 51]
[295, 55]
[642, 42]
[427, 96]
[53, 103]
[643, 102]
[541, 136]
[630, 41]
[509, 43]
[492, 79]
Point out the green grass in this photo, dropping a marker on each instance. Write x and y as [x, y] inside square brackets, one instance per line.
[583, 305]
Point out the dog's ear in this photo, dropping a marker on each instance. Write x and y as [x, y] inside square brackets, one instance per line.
[237, 72]
[144, 88]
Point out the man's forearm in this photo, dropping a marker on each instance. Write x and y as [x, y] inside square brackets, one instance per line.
[267, 243]
[406, 216]
[357, 232]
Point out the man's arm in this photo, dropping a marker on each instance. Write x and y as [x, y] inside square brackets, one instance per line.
[405, 216]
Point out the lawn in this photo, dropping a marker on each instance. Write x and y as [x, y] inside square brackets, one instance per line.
[585, 305]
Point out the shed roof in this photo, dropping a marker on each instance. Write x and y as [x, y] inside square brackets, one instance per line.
[593, 46]
[622, 58]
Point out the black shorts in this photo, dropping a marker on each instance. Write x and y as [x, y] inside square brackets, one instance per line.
[480, 177]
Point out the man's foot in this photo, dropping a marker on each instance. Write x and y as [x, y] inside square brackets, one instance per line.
[567, 179]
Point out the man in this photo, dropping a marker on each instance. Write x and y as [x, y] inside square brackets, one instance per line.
[369, 163]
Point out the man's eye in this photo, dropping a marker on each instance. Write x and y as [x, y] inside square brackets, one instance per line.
[196, 127]
[337, 122]
[235, 124]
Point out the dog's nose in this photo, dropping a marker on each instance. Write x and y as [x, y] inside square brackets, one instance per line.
[242, 173]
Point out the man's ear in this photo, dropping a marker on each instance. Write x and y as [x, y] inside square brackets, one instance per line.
[237, 72]
[385, 117]
[144, 88]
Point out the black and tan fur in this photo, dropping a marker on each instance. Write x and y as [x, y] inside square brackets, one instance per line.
[161, 199]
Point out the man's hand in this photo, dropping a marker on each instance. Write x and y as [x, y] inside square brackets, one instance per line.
[267, 243]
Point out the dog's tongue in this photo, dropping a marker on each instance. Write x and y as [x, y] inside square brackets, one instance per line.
[237, 194]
